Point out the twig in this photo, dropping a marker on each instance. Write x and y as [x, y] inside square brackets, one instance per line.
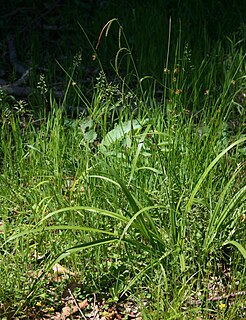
[76, 303]
[228, 296]
[222, 297]
[23, 79]
[94, 306]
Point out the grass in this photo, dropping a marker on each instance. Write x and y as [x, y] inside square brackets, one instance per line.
[142, 195]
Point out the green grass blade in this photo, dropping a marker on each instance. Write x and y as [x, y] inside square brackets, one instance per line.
[138, 151]
[153, 232]
[85, 246]
[214, 227]
[209, 168]
[143, 271]
[90, 209]
[57, 227]
[238, 246]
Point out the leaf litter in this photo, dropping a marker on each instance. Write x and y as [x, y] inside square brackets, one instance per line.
[93, 307]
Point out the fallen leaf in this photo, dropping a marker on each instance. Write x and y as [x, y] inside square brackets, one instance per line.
[83, 304]
[59, 269]
[70, 310]
[67, 311]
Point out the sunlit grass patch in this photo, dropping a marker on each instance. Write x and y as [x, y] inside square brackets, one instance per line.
[136, 198]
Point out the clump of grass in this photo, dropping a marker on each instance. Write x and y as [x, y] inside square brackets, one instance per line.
[154, 192]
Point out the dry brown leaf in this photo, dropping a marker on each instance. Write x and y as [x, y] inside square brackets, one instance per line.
[57, 316]
[67, 311]
[243, 217]
[83, 304]
[59, 269]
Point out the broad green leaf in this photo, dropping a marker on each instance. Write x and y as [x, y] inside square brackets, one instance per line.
[120, 131]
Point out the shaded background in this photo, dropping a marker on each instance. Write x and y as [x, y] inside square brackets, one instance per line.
[49, 30]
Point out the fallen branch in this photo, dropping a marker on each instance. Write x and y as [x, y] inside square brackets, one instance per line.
[16, 91]
[20, 68]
